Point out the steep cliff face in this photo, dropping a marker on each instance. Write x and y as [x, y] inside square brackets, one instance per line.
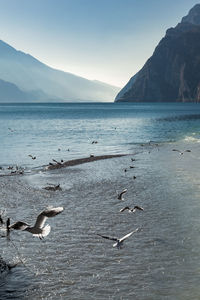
[173, 72]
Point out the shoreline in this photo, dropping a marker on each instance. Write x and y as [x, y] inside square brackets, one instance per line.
[79, 161]
[65, 164]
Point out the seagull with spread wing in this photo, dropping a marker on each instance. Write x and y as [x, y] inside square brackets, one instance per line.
[119, 241]
[33, 157]
[181, 152]
[120, 195]
[38, 229]
[131, 209]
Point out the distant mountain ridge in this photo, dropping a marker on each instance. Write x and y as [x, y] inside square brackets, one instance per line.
[37, 82]
[172, 73]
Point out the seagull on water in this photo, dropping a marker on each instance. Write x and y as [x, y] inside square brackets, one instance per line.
[132, 209]
[38, 229]
[54, 187]
[120, 195]
[119, 241]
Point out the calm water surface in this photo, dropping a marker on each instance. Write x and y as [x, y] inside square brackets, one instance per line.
[162, 261]
[42, 129]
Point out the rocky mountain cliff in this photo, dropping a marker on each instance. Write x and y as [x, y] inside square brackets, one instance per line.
[172, 73]
[24, 78]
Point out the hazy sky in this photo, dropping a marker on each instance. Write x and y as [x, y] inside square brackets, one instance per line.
[106, 40]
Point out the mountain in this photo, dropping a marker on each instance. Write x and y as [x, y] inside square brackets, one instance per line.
[172, 73]
[9, 91]
[37, 82]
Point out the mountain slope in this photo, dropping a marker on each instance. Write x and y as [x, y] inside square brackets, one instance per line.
[48, 84]
[172, 73]
[9, 91]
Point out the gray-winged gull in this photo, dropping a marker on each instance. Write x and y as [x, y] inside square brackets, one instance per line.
[120, 195]
[38, 229]
[119, 241]
[131, 209]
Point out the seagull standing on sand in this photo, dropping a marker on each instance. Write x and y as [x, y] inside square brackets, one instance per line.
[120, 195]
[59, 163]
[119, 241]
[38, 229]
[131, 209]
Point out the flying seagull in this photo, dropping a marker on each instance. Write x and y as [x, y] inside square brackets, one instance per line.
[181, 152]
[119, 241]
[120, 195]
[33, 157]
[131, 209]
[38, 229]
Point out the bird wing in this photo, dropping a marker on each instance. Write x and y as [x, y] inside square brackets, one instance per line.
[47, 213]
[138, 207]
[108, 237]
[127, 235]
[52, 211]
[123, 192]
[19, 225]
[124, 208]
[176, 150]
[41, 219]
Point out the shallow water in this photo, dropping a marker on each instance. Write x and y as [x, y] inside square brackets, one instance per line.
[162, 261]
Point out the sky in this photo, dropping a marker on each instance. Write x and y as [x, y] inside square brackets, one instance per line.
[105, 40]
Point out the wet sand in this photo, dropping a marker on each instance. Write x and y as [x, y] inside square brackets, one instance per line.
[79, 161]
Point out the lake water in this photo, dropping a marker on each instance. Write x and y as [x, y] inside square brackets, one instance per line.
[162, 260]
[42, 129]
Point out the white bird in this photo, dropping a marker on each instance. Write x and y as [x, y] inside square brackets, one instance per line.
[119, 241]
[120, 195]
[38, 229]
[132, 209]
